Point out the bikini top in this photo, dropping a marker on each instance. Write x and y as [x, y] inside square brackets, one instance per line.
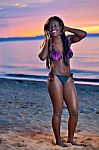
[55, 55]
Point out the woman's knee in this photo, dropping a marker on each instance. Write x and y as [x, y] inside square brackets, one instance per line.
[74, 113]
[57, 114]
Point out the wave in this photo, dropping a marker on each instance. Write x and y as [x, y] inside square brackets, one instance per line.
[44, 78]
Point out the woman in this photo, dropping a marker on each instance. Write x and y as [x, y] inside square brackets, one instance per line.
[57, 53]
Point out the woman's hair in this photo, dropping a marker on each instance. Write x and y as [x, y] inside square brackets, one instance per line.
[63, 36]
[46, 26]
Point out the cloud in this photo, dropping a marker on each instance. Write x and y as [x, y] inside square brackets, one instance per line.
[34, 13]
[19, 10]
[22, 2]
[20, 5]
[3, 24]
[69, 10]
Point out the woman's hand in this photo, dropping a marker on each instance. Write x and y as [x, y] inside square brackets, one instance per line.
[44, 52]
[47, 35]
[65, 29]
[77, 34]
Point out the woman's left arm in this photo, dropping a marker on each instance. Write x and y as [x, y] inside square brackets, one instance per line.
[78, 34]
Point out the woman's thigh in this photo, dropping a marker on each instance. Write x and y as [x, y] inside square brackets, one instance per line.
[56, 94]
[70, 96]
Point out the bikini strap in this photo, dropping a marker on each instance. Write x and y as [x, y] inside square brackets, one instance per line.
[71, 75]
[51, 76]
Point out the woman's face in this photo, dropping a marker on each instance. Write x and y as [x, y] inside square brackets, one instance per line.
[54, 28]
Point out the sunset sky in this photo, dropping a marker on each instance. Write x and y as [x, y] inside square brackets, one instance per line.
[27, 17]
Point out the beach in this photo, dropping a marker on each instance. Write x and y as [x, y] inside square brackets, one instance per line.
[25, 117]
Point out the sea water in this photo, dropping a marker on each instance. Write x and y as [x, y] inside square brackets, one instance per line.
[20, 59]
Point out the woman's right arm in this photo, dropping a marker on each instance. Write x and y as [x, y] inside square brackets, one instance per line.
[44, 51]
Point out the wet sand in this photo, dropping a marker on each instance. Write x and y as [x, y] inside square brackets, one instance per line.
[25, 117]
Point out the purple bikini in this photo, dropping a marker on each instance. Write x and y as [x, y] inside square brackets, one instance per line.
[55, 55]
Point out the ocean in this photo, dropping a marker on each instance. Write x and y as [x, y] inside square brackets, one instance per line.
[19, 59]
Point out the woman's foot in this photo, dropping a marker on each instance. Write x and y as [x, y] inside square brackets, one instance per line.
[74, 143]
[61, 143]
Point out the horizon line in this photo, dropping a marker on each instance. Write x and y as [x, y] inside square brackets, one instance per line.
[38, 37]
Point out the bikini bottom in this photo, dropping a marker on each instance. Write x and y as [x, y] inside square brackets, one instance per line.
[63, 78]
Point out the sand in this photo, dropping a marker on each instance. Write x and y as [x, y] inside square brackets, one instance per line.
[25, 117]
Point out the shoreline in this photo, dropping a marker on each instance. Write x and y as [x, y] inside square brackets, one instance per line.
[25, 117]
[41, 78]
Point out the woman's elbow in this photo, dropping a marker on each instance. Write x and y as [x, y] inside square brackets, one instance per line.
[84, 34]
[41, 57]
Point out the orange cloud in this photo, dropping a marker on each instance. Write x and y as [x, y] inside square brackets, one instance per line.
[33, 30]
[20, 5]
[94, 29]
[32, 26]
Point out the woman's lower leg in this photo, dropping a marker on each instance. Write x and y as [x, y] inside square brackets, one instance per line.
[56, 119]
[71, 127]
[56, 126]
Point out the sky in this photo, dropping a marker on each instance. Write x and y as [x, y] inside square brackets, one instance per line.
[27, 17]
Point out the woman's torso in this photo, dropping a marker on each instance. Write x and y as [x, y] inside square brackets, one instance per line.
[58, 66]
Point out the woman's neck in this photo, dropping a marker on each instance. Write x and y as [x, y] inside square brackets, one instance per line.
[57, 39]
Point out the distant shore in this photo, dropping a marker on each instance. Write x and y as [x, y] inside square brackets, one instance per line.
[39, 37]
[7, 39]
[25, 117]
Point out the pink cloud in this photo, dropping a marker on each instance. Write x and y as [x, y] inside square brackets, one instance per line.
[74, 13]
